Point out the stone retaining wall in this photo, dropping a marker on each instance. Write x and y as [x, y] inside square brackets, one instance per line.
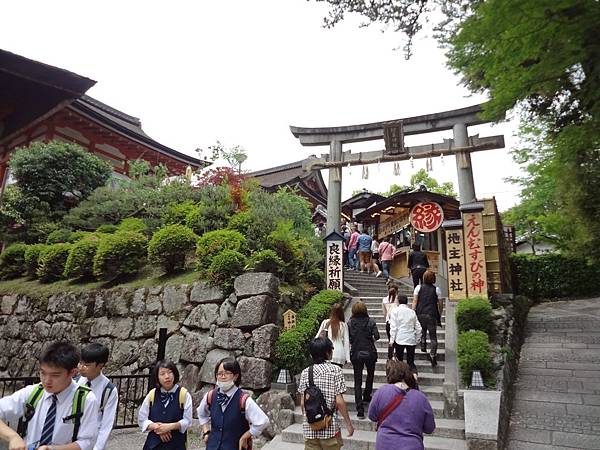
[203, 327]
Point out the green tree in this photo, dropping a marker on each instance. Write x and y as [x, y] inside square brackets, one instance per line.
[54, 171]
[235, 156]
[422, 178]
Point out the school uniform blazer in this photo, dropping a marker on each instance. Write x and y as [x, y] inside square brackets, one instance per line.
[13, 407]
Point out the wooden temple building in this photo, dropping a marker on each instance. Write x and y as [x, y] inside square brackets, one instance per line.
[39, 102]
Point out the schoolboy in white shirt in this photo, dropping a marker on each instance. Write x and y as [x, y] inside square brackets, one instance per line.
[93, 359]
[53, 423]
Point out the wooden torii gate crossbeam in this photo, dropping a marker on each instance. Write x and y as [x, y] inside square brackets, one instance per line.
[457, 120]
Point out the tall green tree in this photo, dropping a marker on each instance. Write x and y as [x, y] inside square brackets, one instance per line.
[422, 178]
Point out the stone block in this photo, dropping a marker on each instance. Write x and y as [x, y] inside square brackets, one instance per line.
[207, 373]
[124, 353]
[279, 406]
[61, 303]
[203, 316]
[144, 327]
[190, 378]
[116, 303]
[153, 304]
[147, 353]
[229, 338]
[253, 312]
[258, 283]
[264, 341]
[8, 303]
[12, 328]
[225, 313]
[175, 298]
[203, 293]
[165, 322]
[196, 346]
[138, 304]
[256, 372]
[482, 415]
[174, 347]
[23, 306]
[232, 299]
[41, 330]
[119, 328]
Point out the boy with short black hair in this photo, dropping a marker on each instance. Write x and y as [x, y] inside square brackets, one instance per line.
[93, 359]
[50, 419]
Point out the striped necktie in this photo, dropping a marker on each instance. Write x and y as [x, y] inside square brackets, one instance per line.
[48, 430]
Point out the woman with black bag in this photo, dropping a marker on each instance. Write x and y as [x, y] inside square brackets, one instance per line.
[425, 304]
[363, 335]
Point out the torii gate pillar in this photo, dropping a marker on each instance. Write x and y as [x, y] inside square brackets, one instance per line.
[464, 169]
[334, 190]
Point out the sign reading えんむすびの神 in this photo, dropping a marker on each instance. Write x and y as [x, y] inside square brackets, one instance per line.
[334, 261]
[475, 254]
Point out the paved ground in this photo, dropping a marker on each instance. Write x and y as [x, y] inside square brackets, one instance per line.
[557, 404]
[133, 439]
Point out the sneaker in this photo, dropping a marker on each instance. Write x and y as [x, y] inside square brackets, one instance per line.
[379, 274]
[360, 415]
[424, 348]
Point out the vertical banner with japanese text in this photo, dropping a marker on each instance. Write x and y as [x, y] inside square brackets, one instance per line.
[475, 254]
[455, 255]
[334, 265]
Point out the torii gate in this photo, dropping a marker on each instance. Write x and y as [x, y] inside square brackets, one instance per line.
[393, 132]
[466, 245]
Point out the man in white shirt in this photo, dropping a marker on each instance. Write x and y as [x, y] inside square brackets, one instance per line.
[52, 425]
[93, 359]
[405, 330]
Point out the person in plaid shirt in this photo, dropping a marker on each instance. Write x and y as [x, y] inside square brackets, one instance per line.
[329, 379]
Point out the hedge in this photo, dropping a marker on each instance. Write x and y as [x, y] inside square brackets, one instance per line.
[134, 225]
[170, 246]
[52, 260]
[554, 276]
[224, 267]
[216, 241]
[474, 353]
[32, 256]
[266, 261]
[80, 262]
[59, 236]
[107, 229]
[291, 348]
[12, 261]
[122, 253]
[474, 314]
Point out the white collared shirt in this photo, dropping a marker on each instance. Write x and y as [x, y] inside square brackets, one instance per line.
[106, 420]
[184, 423]
[404, 326]
[13, 407]
[255, 416]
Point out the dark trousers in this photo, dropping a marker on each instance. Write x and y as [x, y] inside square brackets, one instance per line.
[358, 365]
[428, 325]
[417, 275]
[410, 354]
[390, 348]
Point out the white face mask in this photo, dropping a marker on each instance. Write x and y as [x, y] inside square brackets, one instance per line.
[225, 386]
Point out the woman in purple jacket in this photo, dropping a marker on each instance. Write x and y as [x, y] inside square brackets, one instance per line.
[404, 424]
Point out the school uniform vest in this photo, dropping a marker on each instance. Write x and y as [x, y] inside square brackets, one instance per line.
[227, 427]
[428, 301]
[172, 413]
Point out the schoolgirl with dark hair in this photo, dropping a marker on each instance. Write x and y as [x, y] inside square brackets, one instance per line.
[228, 416]
[166, 413]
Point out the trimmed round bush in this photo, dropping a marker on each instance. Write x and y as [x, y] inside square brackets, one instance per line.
[12, 261]
[80, 262]
[32, 256]
[474, 314]
[216, 241]
[241, 222]
[107, 229]
[59, 236]
[134, 225]
[266, 261]
[79, 235]
[120, 254]
[52, 260]
[176, 213]
[225, 266]
[170, 246]
[474, 353]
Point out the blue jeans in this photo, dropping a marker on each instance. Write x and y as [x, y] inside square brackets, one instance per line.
[385, 268]
[352, 259]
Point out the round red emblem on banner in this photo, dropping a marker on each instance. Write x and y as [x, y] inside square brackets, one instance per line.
[426, 216]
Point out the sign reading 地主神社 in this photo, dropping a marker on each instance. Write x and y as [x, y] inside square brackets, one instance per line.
[334, 261]
[475, 254]
[455, 255]
[426, 216]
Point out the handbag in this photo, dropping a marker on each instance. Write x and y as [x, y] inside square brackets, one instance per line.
[391, 406]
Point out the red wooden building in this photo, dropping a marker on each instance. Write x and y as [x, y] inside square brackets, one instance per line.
[39, 102]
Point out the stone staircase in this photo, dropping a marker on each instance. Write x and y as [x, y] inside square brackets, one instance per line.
[449, 433]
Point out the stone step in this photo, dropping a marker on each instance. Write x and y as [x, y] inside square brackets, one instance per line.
[426, 378]
[419, 356]
[365, 440]
[382, 343]
[432, 392]
[422, 366]
[450, 428]
[436, 405]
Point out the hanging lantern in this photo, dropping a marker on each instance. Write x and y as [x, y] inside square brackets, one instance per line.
[365, 172]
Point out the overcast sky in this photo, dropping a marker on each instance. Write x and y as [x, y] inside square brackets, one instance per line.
[243, 71]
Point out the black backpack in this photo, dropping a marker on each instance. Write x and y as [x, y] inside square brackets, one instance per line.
[318, 415]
